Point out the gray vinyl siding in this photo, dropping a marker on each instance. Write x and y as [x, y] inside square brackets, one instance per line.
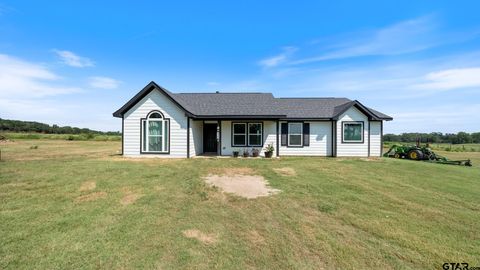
[352, 149]
[375, 138]
[178, 125]
[269, 137]
[320, 141]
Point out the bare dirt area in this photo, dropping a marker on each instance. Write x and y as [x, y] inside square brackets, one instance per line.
[88, 185]
[370, 159]
[91, 197]
[232, 171]
[240, 182]
[285, 171]
[201, 236]
[129, 197]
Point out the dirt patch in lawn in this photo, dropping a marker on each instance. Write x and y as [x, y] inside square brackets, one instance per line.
[255, 238]
[232, 171]
[285, 171]
[159, 188]
[247, 186]
[371, 159]
[89, 185]
[200, 236]
[91, 197]
[129, 197]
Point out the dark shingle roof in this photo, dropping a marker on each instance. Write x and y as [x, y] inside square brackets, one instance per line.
[254, 105]
[310, 107]
[230, 104]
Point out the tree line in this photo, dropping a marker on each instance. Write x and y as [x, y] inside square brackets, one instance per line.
[29, 126]
[434, 137]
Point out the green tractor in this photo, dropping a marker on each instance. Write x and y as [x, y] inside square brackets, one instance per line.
[423, 153]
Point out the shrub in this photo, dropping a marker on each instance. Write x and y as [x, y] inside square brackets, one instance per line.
[269, 148]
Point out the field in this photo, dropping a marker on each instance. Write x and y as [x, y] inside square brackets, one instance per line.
[78, 204]
[68, 137]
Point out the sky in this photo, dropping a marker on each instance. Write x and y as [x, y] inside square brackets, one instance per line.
[76, 62]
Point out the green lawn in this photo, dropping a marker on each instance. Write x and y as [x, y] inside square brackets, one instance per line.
[335, 213]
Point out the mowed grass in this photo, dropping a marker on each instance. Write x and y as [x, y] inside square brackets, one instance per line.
[78, 204]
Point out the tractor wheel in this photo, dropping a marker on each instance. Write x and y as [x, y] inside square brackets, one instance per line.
[397, 155]
[415, 155]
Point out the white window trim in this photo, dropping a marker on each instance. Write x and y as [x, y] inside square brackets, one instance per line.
[301, 134]
[361, 133]
[243, 134]
[146, 137]
[261, 134]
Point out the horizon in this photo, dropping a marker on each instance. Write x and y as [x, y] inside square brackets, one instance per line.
[68, 64]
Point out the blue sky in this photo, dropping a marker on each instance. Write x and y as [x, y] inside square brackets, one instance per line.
[75, 62]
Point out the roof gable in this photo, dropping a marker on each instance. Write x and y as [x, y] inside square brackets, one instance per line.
[372, 114]
[145, 91]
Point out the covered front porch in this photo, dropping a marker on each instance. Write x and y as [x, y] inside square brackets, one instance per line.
[221, 137]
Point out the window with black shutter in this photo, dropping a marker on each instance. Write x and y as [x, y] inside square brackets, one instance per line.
[283, 139]
[306, 134]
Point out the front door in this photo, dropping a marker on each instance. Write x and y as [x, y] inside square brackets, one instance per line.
[209, 138]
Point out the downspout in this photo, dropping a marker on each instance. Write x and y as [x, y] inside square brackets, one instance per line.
[278, 144]
[334, 138]
[122, 133]
[368, 137]
[381, 138]
[188, 137]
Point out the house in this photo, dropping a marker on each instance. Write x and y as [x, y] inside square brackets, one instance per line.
[157, 122]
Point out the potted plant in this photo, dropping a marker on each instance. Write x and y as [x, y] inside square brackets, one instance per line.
[269, 150]
[245, 152]
[255, 152]
[235, 153]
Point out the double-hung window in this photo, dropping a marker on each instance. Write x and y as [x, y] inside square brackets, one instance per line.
[155, 133]
[254, 134]
[239, 134]
[352, 132]
[247, 134]
[295, 134]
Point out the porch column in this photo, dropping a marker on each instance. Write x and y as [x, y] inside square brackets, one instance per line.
[219, 150]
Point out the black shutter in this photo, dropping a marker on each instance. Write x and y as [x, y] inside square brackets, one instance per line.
[306, 134]
[284, 134]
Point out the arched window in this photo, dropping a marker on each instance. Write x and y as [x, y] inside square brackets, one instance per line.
[155, 133]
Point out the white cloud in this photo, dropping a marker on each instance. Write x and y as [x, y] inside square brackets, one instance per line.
[278, 59]
[400, 38]
[20, 78]
[451, 79]
[103, 82]
[403, 37]
[213, 83]
[71, 59]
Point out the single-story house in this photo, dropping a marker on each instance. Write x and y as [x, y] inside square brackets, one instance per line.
[157, 122]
